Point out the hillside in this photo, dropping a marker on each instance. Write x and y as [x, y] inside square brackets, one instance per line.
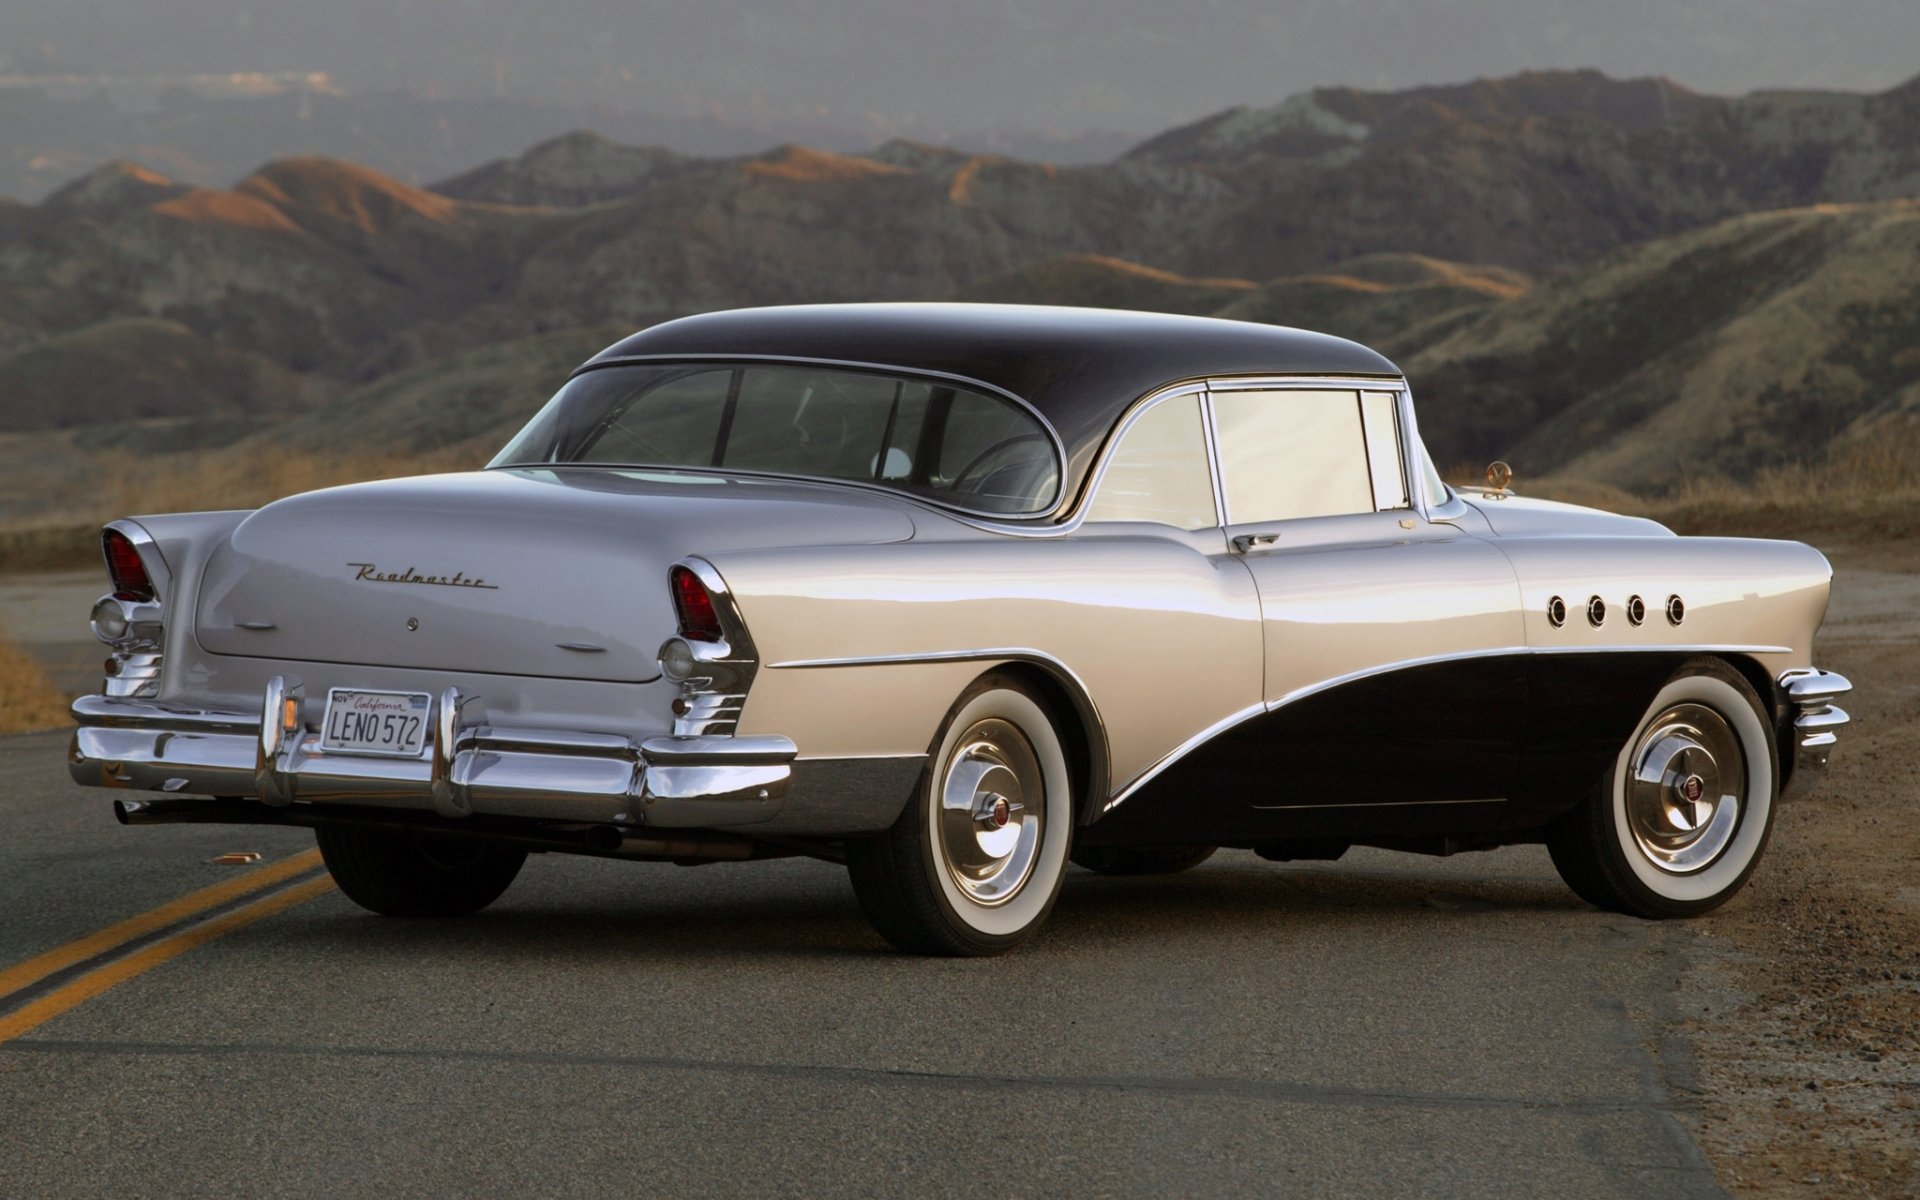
[1673, 328]
[1758, 341]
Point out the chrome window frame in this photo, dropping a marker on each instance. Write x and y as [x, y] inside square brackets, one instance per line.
[1407, 430]
[1133, 416]
[628, 360]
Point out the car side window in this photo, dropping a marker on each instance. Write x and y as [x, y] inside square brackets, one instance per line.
[672, 423]
[1159, 470]
[1289, 454]
[1382, 426]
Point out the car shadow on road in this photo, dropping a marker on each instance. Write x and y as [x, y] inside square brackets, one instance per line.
[811, 913]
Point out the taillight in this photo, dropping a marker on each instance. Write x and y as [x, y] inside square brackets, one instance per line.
[699, 620]
[130, 580]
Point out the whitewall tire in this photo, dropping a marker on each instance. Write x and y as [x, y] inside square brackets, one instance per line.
[974, 864]
[1679, 824]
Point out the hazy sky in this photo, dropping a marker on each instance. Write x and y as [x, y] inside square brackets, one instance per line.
[947, 65]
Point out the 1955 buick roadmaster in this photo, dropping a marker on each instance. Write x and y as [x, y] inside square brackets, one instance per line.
[956, 595]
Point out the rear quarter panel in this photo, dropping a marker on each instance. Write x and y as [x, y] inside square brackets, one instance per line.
[1164, 639]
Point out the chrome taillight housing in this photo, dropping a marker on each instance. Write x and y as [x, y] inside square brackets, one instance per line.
[131, 618]
[130, 579]
[711, 658]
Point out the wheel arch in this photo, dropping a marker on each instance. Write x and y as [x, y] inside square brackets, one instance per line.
[1082, 733]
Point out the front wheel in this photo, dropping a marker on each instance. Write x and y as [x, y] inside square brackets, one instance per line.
[1679, 824]
[973, 865]
[413, 875]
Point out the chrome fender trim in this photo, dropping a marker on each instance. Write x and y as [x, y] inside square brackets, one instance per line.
[1298, 694]
[1095, 727]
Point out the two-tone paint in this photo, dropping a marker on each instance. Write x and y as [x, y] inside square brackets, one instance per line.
[1395, 677]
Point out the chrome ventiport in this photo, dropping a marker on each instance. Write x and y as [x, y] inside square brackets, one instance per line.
[1556, 612]
[1596, 612]
[1687, 783]
[1636, 611]
[1676, 610]
[989, 835]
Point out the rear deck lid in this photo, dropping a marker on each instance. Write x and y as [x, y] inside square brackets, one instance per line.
[557, 573]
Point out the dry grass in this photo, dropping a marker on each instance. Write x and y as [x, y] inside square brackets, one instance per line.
[233, 477]
[1866, 486]
[249, 476]
[28, 701]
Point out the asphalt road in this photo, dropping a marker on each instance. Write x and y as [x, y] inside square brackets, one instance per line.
[1382, 1025]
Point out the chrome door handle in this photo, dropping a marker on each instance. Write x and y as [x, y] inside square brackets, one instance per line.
[1243, 542]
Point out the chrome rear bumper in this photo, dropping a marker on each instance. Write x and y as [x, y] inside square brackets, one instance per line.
[1809, 693]
[467, 766]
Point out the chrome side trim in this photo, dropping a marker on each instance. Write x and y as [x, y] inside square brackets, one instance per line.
[926, 656]
[1182, 750]
[1100, 747]
[1298, 694]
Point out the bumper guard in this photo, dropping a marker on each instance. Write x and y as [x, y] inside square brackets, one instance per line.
[1809, 693]
[467, 767]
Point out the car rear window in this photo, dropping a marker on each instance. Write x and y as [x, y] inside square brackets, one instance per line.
[932, 438]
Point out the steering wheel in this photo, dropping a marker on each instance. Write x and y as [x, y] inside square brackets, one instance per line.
[974, 463]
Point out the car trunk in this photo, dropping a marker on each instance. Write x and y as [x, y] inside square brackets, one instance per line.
[555, 573]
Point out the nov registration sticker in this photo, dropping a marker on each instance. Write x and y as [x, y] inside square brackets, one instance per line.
[390, 724]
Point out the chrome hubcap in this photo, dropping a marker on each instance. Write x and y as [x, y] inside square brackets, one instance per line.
[991, 818]
[1683, 794]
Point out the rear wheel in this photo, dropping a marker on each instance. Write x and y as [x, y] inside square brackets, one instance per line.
[410, 875]
[973, 865]
[1142, 860]
[1680, 823]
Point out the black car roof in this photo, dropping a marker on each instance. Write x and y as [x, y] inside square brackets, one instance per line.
[1081, 368]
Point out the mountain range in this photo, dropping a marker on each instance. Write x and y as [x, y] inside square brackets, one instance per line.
[1611, 279]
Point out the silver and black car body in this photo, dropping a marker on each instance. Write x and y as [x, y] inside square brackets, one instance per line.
[955, 595]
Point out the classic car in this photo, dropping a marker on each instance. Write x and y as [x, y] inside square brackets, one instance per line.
[956, 595]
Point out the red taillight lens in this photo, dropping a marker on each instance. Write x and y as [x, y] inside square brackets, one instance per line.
[699, 621]
[129, 574]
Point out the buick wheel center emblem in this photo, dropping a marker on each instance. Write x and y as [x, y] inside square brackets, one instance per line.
[1693, 789]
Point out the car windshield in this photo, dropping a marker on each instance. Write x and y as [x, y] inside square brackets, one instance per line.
[936, 439]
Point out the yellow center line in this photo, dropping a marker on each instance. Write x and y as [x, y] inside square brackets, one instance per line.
[92, 984]
[35, 969]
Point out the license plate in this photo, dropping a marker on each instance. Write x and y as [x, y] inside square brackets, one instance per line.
[391, 724]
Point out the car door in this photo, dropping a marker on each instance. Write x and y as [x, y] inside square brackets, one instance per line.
[1388, 677]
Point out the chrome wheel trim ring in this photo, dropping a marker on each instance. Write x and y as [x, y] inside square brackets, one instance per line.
[1685, 784]
[992, 817]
